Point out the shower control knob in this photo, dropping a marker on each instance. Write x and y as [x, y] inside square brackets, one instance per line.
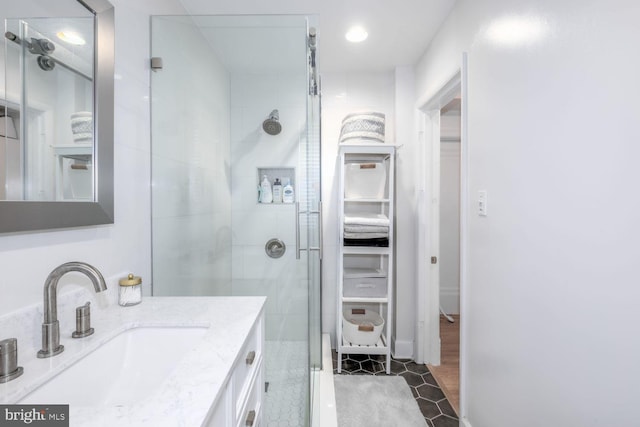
[275, 248]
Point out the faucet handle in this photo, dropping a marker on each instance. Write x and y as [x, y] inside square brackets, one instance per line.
[84, 310]
[83, 321]
[9, 368]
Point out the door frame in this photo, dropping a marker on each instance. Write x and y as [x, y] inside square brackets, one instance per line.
[428, 292]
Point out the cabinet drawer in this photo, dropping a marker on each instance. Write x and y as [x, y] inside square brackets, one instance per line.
[250, 361]
[251, 414]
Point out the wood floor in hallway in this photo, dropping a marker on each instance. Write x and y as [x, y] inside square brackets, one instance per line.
[448, 373]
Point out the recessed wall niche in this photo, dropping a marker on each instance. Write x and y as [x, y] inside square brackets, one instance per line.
[284, 174]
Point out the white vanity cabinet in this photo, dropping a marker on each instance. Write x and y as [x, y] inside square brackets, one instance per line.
[240, 402]
[218, 380]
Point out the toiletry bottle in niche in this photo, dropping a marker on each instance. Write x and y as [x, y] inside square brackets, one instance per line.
[265, 187]
[130, 292]
[277, 191]
[288, 195]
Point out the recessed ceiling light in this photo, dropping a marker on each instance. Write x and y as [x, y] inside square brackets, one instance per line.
[356, 34]
[71, 38]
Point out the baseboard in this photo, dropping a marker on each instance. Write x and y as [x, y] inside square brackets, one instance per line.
[450, 300]
[401, 349]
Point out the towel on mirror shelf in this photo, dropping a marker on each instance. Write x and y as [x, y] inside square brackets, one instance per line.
[348, 235]
[366, 228]
[366, 219]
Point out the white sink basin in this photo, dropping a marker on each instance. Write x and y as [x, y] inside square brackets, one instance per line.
[122, 371]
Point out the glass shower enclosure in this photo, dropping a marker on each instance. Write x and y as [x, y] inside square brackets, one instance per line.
[216, 83]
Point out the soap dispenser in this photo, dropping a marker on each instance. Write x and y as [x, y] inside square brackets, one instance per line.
[266, 196]
[277, 191]
[288, 195]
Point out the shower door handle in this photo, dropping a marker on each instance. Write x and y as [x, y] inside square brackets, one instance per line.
[312, 248]
[298, 230]
[319, 248]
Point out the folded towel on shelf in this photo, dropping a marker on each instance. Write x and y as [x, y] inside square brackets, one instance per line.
[355, 228]
[348, 235]
[366, 219]
[380, 242]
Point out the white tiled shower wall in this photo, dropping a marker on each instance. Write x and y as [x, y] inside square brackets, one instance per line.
[253, 97]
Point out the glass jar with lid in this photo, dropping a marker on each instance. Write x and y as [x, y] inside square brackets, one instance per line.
[130, 292]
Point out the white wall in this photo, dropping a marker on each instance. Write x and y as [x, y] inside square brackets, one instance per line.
[449, 252]
[552, 292]
[406, 214]
[27, 258]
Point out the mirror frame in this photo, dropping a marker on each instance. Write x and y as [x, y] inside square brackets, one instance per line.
[18, 216]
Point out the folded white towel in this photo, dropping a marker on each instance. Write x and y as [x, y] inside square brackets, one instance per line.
[366, 219]
[348, 235]
[355, 228]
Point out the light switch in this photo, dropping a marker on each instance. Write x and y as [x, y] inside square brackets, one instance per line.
[482, 203]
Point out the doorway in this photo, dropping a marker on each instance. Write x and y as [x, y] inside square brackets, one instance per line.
[447, 373]
[429, 346]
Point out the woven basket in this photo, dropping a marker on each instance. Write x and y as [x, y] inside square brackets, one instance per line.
[367, 126]
[82, 127]
[361, 327]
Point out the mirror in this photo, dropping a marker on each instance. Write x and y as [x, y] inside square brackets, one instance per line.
[56, 116]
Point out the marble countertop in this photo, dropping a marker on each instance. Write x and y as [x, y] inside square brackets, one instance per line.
[194, 386]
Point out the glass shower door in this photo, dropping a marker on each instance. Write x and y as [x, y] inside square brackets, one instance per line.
[221, 78]
[313, 209]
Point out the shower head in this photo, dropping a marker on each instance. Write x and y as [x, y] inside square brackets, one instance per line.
[272, 125]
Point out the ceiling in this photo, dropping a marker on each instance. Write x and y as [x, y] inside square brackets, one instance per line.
[399, 31]
[266, 43]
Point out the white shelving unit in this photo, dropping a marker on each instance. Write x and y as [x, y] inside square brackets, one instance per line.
[378, 261]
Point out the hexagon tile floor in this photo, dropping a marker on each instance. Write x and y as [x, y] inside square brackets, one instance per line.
[434, 405]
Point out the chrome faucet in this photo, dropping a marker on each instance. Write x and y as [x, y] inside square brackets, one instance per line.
[51, 327]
